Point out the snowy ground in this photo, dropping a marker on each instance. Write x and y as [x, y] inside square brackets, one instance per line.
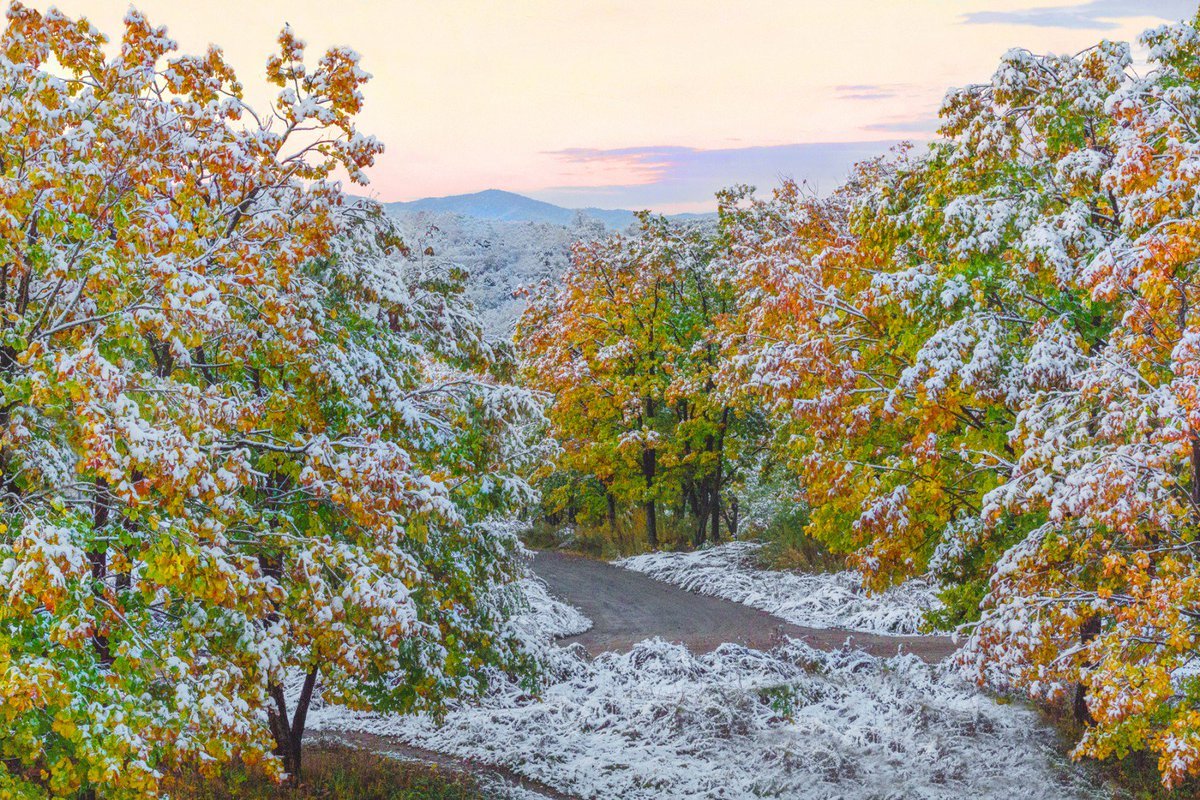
[660, 722]
[833, 600]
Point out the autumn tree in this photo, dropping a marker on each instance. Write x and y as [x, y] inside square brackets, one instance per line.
[624, 346]
[979, 360]
[1096, 604]
[245, 445]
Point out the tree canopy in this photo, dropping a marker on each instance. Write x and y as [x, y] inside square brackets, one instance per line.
[245, 442]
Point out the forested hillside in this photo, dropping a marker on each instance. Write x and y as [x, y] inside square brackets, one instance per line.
[501, 260]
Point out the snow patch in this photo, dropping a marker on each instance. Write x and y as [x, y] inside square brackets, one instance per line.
[543, 618]
[661, 722]
[834, 600]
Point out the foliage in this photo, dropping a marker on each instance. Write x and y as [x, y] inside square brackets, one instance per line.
[623, 344]
[243, 441]
[980, 362]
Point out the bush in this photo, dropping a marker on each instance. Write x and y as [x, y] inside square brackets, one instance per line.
[786, 546]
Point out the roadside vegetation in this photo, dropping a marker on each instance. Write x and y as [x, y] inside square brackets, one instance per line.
[331, 773]
[258, 457]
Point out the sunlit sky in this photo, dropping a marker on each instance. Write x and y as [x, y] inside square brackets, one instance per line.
[641, 103]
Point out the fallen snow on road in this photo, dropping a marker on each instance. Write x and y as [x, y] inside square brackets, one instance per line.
[660, 722]
[832, 600]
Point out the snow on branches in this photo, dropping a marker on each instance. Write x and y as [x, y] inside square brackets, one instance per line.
[242, 436]
[982, 360]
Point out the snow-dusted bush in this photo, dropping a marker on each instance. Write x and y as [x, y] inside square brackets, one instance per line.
[835, 600]
[543, 618]
[659, 722]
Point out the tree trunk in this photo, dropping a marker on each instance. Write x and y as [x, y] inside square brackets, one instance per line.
[700, 509]
[651, 524]
[649, 462]
[1087, 632]
[289, 735]
[716, 504]
[719, 476]
[612, 512]
[1196, 475]
[716, 517]
[98, 557]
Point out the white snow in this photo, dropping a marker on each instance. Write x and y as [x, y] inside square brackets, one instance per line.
[660, 722]
[546, 618]
[833, 600]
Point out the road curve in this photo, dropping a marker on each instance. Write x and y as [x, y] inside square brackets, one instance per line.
[627, 607]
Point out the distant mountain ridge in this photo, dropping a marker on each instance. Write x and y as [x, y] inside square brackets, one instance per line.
[501, 206]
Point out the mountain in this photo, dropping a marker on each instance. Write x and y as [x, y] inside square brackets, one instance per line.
[507, 243]
[501, 206]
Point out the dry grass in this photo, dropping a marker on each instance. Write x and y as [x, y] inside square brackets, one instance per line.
[335, 773]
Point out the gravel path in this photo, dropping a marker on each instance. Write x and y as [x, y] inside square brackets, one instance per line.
[627, 607]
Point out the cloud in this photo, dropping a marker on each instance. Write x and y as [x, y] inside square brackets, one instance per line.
[1094, 15]
[872, 91]
[670, 177]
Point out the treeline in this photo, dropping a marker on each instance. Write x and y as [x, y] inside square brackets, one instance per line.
[980, 360]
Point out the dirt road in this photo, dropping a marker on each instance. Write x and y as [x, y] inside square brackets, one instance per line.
[627, 607]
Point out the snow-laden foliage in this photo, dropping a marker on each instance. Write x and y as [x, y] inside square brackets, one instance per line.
[624, 347]
[832, 600]
[981, 361]
[241, 435]
[659, 721]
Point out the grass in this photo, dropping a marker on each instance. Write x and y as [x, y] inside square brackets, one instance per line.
[787, 547]
[334, 772]
[597, 540]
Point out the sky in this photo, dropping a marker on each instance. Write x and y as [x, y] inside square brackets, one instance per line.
[641, 103]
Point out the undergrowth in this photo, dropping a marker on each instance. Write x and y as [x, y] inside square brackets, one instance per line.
[598, 539]
[333, 773]
[785, 545]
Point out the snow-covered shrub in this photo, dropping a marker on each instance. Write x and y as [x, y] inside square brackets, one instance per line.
[660, 722]
[834, 600]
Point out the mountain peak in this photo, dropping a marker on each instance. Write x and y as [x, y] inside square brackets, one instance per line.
[505, 206]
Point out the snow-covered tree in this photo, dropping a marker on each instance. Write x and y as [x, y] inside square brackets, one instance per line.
[244, 442]
[981, 359]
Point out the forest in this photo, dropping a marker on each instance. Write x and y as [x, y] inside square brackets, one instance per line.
[260, 458]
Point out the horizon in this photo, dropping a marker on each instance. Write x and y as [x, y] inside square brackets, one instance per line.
[621, 105]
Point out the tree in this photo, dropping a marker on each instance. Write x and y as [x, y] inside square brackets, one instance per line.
[980, 362]
[243, 441]
[623, 344]
[1099, 599]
